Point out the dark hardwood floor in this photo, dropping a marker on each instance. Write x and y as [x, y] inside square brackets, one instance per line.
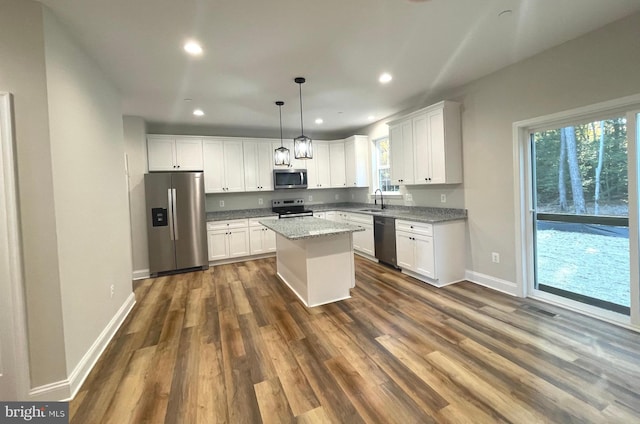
[233, 344]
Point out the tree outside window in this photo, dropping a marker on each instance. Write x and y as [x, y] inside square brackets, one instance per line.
[383, 167]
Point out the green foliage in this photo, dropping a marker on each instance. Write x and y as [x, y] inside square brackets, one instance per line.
[614, 177]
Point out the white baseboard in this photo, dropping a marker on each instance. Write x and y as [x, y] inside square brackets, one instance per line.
[494, 283]
[242, 259]
[52, 392]
[65, 390]
[141, 274]
[366, 256]
[81, 371]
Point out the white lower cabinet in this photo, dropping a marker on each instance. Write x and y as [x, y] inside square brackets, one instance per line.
[433, 253]
[228, 239]
[415, 253]
[261, 239]
[363, 240]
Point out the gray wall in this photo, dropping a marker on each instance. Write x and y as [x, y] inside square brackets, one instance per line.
[599, 66]
[23, 73]
[90, 194]
[135, 140]
[72, 188]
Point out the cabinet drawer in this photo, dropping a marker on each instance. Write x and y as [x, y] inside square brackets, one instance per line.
[224, 225]
[414, 227]
[255, 222]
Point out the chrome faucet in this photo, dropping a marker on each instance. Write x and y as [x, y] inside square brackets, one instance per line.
[375, 200]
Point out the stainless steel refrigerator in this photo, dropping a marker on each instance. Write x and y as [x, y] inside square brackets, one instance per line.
[176, 226]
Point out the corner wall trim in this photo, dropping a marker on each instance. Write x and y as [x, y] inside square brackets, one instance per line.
[504, 286]
[141, 274]
[65, 390]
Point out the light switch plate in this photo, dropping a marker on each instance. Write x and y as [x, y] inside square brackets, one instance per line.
[310, 198]
[443, 198]
[260, 201]
[222, 203]
[409, 197]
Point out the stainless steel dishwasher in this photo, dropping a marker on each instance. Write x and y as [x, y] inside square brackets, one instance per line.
[384, 235]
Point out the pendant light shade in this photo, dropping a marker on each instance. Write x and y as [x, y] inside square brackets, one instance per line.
[302, 147]
[281, 155]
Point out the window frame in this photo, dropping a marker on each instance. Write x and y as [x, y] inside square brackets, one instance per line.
[377, 168]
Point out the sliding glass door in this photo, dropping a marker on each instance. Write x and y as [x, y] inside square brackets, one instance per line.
[580, 199]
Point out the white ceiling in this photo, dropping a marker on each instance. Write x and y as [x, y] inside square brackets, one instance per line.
[253, 49]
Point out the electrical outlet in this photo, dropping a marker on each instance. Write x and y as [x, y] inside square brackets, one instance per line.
[495, 257]
[337, 197]
[443, 198]
[353, 196]
[260, 201]
[112, 290]
[222, 203]
[409, 197]
[310, 198]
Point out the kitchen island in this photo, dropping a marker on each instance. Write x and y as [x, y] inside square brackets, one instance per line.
[315, 258]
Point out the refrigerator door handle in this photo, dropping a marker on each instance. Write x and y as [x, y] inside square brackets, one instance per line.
[170, 204]
[175, 214]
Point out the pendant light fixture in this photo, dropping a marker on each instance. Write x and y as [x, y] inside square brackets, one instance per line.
[302, 147]
[281, 155]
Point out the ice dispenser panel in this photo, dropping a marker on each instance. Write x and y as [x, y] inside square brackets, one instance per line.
[159, 217]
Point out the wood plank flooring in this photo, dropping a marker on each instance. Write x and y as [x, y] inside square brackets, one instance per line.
[233, 344]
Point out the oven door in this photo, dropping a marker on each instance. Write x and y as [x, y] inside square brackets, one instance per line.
[289, 178]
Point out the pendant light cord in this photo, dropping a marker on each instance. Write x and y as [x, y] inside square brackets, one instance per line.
[281, 142]
[301, 124]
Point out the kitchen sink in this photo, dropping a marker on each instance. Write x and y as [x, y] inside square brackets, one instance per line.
[373, 210]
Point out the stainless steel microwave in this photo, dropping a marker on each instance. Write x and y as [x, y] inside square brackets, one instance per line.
[289, 178]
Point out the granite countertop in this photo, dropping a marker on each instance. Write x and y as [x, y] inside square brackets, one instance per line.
[240, 214]
[308, 227]
[410, 213]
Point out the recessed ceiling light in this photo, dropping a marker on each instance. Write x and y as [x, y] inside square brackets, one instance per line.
[319, 121]
[371, 117]
[385, 78]
[198, 112]
[505, 13]
[193, 48]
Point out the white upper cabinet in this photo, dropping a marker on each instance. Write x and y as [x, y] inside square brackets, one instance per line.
[318, 168]
[223, 165]
[356, 153]
[258, 165]
[170, 153]
[402, 158]
[337, 164]
[433, 137]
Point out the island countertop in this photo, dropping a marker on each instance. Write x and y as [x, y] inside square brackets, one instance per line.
[308, 227]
